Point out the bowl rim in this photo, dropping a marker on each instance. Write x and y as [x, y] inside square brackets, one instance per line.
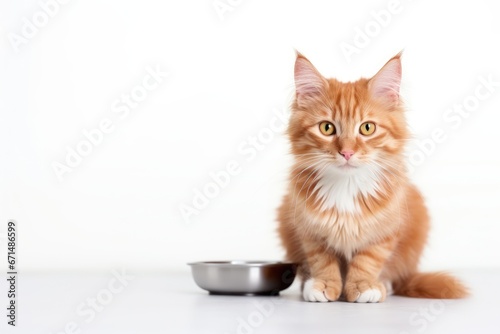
[241, 263]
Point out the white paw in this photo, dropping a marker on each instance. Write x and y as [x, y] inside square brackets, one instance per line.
[370, 296]
[312, 294]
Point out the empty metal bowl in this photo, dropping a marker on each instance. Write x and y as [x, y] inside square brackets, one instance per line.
[243, 277]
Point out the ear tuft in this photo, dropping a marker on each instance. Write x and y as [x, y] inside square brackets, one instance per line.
[386, 83]
[308, 81]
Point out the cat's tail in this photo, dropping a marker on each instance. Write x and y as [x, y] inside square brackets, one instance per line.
[438, 285]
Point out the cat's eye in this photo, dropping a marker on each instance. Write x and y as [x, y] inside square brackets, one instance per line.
[367, 128]
[327, 128]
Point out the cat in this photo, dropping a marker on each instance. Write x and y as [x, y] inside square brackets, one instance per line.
[351, 218]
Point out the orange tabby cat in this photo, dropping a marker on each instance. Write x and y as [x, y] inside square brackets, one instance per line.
[351, 218]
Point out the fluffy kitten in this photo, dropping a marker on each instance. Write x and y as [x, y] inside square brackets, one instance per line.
[351, 217]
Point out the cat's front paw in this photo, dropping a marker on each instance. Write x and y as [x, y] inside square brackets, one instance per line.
[318, 290]
[364, 292]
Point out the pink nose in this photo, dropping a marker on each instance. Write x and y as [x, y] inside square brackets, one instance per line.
[347, 154]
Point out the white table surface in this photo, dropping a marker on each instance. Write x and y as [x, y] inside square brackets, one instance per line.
[165, 302]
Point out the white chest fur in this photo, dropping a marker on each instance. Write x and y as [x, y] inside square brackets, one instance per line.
[340, 189]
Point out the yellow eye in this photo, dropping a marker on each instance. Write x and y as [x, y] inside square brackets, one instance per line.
[327, 128]
[367, 128]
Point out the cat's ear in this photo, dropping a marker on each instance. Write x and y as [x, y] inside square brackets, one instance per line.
[308, 81]
[385, 84]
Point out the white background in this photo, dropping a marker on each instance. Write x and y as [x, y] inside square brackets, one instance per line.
[121, 205]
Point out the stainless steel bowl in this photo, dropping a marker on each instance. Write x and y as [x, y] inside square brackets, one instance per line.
[243, 277]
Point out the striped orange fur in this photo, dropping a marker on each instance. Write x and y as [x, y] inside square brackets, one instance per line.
[351, 217]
